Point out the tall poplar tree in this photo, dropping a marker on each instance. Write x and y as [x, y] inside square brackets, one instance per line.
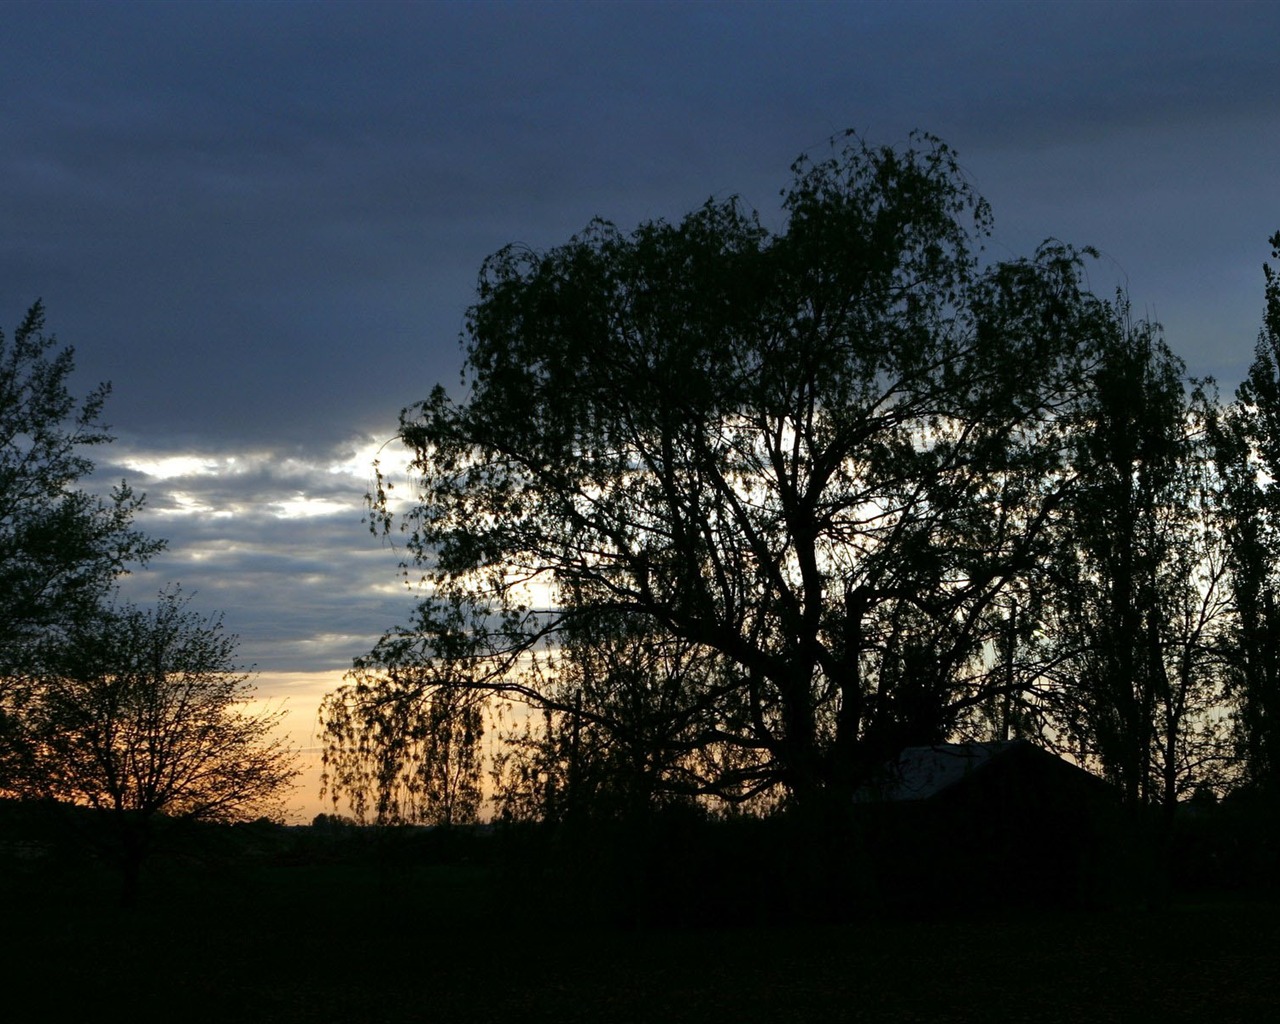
[1143, 592]
[1249, 464]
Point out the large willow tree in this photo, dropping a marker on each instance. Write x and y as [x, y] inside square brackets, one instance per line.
[822, 463]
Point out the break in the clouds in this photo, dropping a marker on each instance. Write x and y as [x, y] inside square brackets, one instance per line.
[274, 540]
[263, 221]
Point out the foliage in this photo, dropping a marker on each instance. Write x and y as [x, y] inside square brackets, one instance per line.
[402, 748]
[616, 738]
[821, 464]
[736, 515]
[145, 712]
[1142, 598]
[61, 548]
[1248, 459]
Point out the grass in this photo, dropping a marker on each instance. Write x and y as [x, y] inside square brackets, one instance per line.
[351, 942]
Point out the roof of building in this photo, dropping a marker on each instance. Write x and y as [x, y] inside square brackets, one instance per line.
[919, 773]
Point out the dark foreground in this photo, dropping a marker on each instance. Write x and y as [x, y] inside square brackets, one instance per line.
[366, 942]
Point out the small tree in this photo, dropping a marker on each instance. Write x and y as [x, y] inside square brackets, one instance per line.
[143, 712]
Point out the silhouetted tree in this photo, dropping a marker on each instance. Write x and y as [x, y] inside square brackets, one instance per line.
[826, 460]
[1249, 466]
[1143, 594]
[143, 713]
[61, 548]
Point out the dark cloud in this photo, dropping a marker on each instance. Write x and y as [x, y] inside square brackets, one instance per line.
[263, 221]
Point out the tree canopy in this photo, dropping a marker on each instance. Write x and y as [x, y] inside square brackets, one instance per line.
[61, 547]
[826, 460]
[145, 711]
[1248, 462]
[740, 513]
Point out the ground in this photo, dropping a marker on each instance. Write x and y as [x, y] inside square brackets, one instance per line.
[281, 942]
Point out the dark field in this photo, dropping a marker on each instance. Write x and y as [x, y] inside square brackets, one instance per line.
[355, 942]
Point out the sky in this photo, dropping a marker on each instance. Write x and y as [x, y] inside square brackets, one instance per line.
[263, 222]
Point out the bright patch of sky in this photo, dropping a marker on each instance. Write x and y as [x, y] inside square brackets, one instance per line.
[165, 467]
[275, 540]
[302, 506]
